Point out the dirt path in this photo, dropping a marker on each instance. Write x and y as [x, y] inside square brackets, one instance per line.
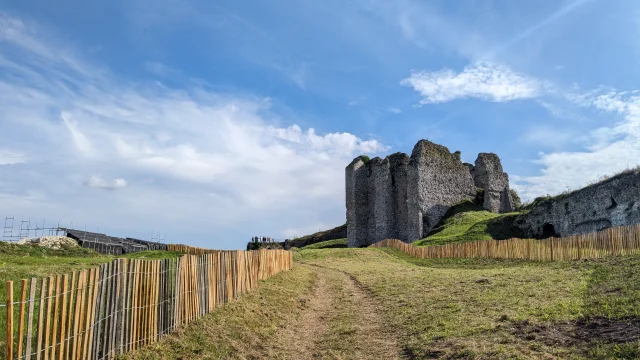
[339, 321]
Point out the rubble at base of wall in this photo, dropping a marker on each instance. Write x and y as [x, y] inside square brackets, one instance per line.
[53, 242]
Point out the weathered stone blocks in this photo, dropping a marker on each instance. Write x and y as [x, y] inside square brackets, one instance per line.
[614, 202]
[488, 175]
[405, 197]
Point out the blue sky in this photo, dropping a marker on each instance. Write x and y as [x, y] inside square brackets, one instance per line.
[215, 121]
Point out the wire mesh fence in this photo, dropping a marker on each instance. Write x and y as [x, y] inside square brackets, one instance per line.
[623, 240]
[28, 231]
[118, 307]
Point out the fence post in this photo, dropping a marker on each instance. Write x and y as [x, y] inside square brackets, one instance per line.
[9, 338]
[613, 248]
[23, 299]
[32, 300]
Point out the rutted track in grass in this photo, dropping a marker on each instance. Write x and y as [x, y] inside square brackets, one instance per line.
[381, 304]
[310, 312]
[341, 321]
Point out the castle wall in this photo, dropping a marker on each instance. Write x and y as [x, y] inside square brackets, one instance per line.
[356, 179]
[614, 202]
[440, 180]
[488, 175]
[383, 204]
[403, 197]
[399, 166]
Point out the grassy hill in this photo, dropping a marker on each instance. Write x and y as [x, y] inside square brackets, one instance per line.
[329, 244]
[338, 232]
[468, 221]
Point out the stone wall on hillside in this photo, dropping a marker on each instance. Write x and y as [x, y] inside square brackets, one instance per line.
[488, 175]
[614, 202]
[405, 197]
[440, 180]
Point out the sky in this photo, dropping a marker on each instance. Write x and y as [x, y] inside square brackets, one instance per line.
[210, 122]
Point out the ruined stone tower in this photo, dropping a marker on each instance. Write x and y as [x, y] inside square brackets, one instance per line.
[404, 197]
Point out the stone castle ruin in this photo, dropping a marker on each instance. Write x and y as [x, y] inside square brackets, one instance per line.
[405, 197]
[613, 202]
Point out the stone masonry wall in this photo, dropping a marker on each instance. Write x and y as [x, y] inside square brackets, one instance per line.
[442, 180]
[405, 197]
[614, 202]
[357, 202]
[488, 175]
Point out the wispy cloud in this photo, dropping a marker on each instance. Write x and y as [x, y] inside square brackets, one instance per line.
[10, 157]
[528, 32]
[96, 181]
[483, 80]
[608, 150]
[183, 143]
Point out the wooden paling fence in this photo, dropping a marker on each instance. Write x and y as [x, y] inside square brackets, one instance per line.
[186, 249]
[623, 240]
[118, 307]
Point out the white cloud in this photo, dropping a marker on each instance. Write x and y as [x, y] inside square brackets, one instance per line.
[9, 157]
[182, 144]
[609, 149]
[561, 112]
[96, 181]
[483, 80]
[79, 139]
[394, 110]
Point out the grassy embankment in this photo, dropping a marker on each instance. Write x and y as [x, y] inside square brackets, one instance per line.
[26, 261]
[19, 262]
[329, 244]
[243, 329]
[468, 221]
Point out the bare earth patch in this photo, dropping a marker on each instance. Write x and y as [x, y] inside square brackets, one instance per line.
[572, 333]
[340, 321]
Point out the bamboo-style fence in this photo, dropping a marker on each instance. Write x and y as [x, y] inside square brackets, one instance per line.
[191, 250]
[623, 240]
[118, 307]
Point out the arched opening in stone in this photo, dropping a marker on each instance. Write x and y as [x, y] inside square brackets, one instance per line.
[426, 227]
[613, 204]
[548, 231]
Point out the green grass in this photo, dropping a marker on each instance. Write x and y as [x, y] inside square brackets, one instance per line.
[329, 244]
[241, 329]
[468, 221]
[472, 226]
[490, 309]
[19, 262]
